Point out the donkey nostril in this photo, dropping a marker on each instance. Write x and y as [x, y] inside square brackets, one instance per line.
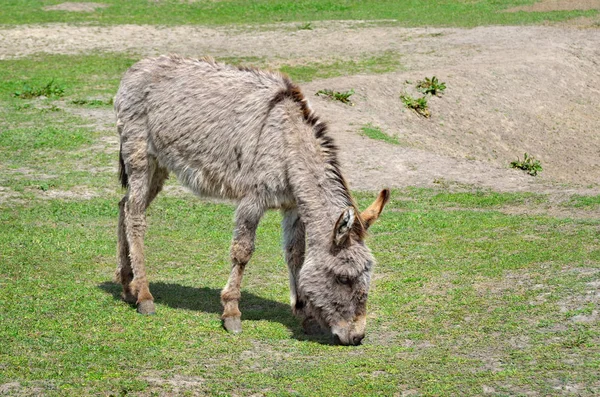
[357, 339]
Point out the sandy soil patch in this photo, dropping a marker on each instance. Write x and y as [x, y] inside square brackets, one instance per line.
[558, 5]
[76, 7]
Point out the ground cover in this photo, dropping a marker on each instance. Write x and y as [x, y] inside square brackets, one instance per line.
[406, 13]
[487, 278]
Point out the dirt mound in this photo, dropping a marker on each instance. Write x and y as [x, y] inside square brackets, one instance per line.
[510, 90]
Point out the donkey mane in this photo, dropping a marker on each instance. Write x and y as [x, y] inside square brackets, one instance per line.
[328, 148]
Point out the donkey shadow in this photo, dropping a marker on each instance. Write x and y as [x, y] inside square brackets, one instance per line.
[208, 300]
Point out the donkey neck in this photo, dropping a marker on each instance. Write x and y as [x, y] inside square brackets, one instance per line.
[318, 186]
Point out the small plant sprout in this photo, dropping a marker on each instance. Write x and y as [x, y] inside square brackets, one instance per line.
[431, 86]
[49, 90]
[343, 97]
[306, 26]
[419, 105]
[529, 164]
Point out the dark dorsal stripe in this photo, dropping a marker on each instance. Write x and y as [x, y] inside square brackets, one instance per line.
[293, 92]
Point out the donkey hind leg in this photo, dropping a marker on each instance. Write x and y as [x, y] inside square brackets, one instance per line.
[124, 272]
[247, 216]
[146, 181]
[294, 241]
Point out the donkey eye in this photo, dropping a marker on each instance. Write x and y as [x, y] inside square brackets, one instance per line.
[343, 280]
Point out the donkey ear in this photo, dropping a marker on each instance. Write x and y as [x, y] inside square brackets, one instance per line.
[343, 226]
[370, 215]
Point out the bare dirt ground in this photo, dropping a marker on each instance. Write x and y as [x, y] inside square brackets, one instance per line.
[558, 5]
[76, 7]
[510, 90]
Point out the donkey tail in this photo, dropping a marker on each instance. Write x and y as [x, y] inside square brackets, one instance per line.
[122, 173]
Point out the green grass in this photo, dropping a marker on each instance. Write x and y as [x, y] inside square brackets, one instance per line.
[374, 132]
[171, 12]
[77, 75]
[585, 201]
[387, 62]
[459, 302]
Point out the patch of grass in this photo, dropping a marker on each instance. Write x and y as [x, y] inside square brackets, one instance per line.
[529, 164]
[251, 61]
[48, 90]
[431, 86]
[374, 132]
[48, 137]
[305, 26]
[584, 201]
[419, 105]
[386, 62]
[343, 97]
[92, 102]
[408, 13]
[86, 76]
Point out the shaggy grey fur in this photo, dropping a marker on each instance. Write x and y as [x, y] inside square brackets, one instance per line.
[247, 135]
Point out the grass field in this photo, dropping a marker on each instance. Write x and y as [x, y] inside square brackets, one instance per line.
[173, 12]
[465, 296]
[474, 292]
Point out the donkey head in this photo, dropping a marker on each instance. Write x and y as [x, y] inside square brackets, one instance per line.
[334, 281]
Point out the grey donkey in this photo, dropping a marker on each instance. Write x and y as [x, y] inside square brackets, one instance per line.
[250, 136]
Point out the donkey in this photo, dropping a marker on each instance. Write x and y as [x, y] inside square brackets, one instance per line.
[250, 136]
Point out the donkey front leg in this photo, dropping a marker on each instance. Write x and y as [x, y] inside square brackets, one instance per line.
[247, 216]
[294, 242]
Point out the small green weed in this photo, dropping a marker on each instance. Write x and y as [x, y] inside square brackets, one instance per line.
[419, 105]
[306, 26]
[431, 86]
[343, 97]
[529, 164]
[373, 132]
[49, 90]
[46, 186]
[578, 340]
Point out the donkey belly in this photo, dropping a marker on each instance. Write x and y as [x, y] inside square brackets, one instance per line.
[218, 161]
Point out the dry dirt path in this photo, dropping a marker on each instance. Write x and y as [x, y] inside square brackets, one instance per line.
[510, 90]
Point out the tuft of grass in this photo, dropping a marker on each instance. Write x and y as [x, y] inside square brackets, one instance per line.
[92, 102]
[431, 86]
[529, 164]
[343, 97]
[49, 90]
[419, 105]
[305, 26]
[578, 201]
[374, 132]
[386, 62]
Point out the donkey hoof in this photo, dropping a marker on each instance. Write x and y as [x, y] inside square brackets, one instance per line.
[128, 297]
[146, 307]
[233, 324]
